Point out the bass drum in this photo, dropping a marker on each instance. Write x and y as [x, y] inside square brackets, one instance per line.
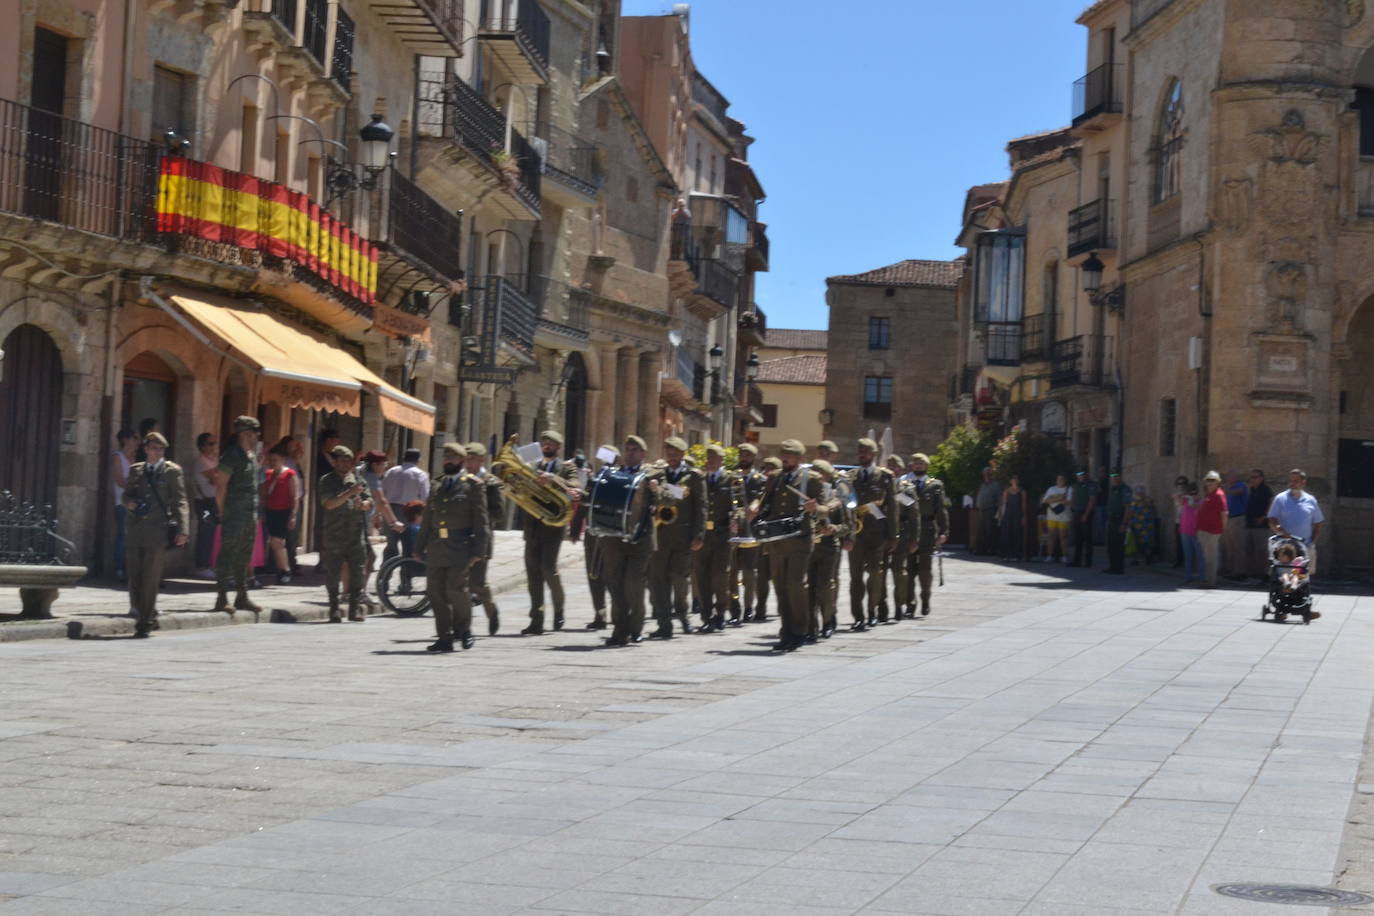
[613, 509]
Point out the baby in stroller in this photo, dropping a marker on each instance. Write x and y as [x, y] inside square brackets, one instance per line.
[1290, 587]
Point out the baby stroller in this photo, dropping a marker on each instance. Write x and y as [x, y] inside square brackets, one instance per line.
[1290, 586]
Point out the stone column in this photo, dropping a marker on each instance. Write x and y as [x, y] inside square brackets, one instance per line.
[649, 362]
[627, 394]
[601, 400]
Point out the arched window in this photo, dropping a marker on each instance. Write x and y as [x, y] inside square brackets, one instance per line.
[1169, 143]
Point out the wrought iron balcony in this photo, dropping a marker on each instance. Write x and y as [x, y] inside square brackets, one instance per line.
[508, 318]
[753, 326]
[758, 251]
[716, 281]
[562, 309]
[519, 41]
[1091, 228]
[1033, 338]
[430, 27]
[1002, 340]
[1085, 361]
[571, 160]
[420, 230]
[481, 130]
[1098, 93]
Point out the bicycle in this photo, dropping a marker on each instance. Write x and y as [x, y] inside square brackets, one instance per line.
[401, 587]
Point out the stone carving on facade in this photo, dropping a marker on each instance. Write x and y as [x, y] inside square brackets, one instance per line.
[1286, 284]
[1236, 204]
[1354, 12]
[1290, 141]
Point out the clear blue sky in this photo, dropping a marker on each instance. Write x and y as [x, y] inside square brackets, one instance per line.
[872, 119]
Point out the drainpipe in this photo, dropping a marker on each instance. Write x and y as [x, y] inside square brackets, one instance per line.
[104, 488]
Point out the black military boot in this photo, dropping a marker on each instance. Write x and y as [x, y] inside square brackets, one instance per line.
[925, 605]
[442, 645]
[243, 603]
[682, 619]
[557, 619]
[536, 627]
[355, 608]
[222, 602]
[493, 620]
[334, 615]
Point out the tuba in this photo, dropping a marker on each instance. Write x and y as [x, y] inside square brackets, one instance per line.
[551, 503]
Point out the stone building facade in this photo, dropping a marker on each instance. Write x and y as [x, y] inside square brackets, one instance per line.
[892, 343]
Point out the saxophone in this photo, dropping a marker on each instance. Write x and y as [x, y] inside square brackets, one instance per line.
[551, 503]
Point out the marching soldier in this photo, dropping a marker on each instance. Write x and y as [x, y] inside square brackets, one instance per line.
[542, 542]
[625, 562]
[832, 537]
[453, 540]
[596, 582]
[681, 522]
[159, 517]
[236, 495]
[748, 567]
[905, 557]
[475, 464]
[344, 500]
[934, 513]
[793, 491]
[712, 562]
[827, 451]
[873, 487]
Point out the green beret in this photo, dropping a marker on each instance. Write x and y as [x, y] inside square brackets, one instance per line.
[341, 451]
[676, 442]
[552, 435]
[868, 444]
[636, 441]
[154, 439]
[792, 447]
[476, 449]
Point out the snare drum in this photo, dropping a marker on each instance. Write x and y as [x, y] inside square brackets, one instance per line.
[611, 506]
[778, 529]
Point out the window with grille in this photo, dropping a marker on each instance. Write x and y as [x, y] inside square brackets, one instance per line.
[1169, 143]
[878, 397]
[316, 28]
[341, 65]
[878, 333]
[770, 415]
[171, 93]
[1168, 426]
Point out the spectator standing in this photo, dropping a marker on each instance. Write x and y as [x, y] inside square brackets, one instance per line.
[1295, 513]
[1181, 484]
[1257, 524]
[1057, 519]
[681, 218]
[236, 497]
[281, 499]
[202, 491]
[1011, 514]
[156, 500]
[1190, 552]
[404, 483]
[1140, 525]
[986, 503]
[1082, 505]
[1234, 541]
[344, 505]
[1117, 502]
[1211, 525]
[120, 462]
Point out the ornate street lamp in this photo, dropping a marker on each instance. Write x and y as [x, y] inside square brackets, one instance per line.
[1114, 298]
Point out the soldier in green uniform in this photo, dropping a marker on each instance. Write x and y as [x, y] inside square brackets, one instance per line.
[591, 548]
[475, 464]
[344, 502]
[670, 567]
[711, 564]
[156, 507]
[794, 491]
[542, 542]
[625, 560]
[453, 540]
[236, 495]
[873, 488]
[748, 568]
[934, 512]
[831, 536]
[905, 557]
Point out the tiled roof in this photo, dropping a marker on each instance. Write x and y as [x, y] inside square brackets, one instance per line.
[795, 339]
[793, 370]
[937, 274]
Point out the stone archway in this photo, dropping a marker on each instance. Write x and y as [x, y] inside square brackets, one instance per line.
[575, 404]
[30, 414]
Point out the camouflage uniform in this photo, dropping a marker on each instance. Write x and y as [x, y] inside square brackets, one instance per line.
[239, 521]
[342, 533]
[163, 495]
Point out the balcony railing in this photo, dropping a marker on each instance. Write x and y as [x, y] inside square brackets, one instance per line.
[529, 27]
[1091, 229]
[753, 325]
[341, 64]
[716, 280]
[690, 373]
[316, 29]
[560, 307]
[481, 130]
[1033, 337]
[1143, 10]
[63, 171]
[1097, 93]
[421, 229]
[1003, 343]
[284, 11]
[571, 160]
[508, 317]
[1085, 361]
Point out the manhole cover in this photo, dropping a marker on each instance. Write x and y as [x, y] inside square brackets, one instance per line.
[1295, 894]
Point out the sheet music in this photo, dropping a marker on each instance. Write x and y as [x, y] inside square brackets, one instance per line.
[530, 452]
[605, 454]
[673, 490]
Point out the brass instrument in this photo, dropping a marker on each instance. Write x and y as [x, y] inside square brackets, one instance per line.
[551, 503]
[665, 514]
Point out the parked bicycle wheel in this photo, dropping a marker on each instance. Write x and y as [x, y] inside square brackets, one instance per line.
[401, 584]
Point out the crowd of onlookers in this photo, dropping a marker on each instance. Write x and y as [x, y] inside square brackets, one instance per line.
[1219, 527]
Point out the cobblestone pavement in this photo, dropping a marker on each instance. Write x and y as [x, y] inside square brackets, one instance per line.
[1049, 741]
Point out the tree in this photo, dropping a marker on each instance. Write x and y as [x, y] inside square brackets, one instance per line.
[698, 455]
[960, 459]
[1034, 457]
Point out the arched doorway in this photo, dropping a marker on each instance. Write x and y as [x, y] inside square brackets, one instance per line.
[1355, 450]
[149, 394]
[575, 404]
[30, 414]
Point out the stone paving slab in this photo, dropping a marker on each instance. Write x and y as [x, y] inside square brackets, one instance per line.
[1035, 747]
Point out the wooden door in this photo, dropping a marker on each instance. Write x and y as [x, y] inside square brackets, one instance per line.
[30, 414]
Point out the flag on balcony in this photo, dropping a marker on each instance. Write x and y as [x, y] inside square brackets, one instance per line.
[204, 201]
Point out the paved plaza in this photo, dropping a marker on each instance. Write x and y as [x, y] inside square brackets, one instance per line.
[1047, 742]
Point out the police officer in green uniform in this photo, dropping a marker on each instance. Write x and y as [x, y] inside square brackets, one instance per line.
[236, 495]
[681, 522]
[625, 560]
[452, 540]
[711, 564]
[475, 464]
[793, 491]
[155, 500]
[873, 488]
[832, 535]
[344, 505]
[542, 542]
[749, 568]
[934, 514]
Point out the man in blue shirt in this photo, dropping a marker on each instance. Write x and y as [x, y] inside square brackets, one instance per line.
[1295, 513]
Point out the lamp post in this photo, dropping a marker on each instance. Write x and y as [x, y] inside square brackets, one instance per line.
[376, 156]
[1113, 298]
[751, 367]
